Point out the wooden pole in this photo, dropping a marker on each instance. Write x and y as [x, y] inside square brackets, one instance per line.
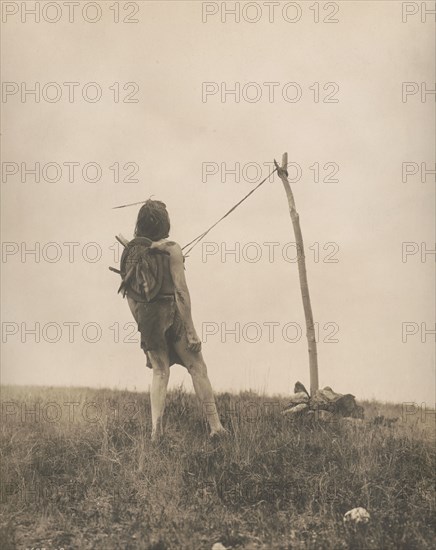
[310, 328]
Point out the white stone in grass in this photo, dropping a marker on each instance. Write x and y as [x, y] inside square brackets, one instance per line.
[218, 546]
[357, 516]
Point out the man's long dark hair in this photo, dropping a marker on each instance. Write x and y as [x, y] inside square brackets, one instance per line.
[153, 221]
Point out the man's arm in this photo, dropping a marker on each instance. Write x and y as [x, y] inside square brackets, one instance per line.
[183, 299]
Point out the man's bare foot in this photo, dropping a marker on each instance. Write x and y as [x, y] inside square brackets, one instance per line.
[156, 436]
[219, 432]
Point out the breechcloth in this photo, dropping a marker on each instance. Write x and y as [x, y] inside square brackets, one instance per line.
[160, 325]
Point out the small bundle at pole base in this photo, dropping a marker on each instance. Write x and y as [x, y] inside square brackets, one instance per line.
[327, 400]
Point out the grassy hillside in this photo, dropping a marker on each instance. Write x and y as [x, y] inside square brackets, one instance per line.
[80, 472]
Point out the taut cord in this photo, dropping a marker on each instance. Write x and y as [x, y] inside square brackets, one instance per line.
[200, 237]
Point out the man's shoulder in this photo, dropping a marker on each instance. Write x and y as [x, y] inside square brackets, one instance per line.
[169, 246]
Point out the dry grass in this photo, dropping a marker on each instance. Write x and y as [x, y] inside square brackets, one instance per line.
[90, 478]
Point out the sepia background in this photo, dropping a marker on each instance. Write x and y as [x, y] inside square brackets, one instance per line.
[173, 129]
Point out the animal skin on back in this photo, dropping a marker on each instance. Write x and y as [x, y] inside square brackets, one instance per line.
[144, 269]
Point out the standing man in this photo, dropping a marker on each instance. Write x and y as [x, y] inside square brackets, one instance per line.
[152, 269]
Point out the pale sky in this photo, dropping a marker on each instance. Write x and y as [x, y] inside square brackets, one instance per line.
[368, 294]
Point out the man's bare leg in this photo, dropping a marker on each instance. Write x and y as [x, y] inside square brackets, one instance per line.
[196, 366]
[161, 375]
